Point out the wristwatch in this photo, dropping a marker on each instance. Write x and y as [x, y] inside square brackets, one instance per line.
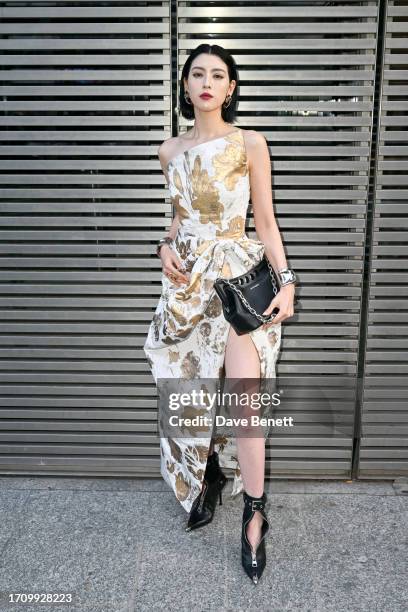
[286, 276]
[166, 240]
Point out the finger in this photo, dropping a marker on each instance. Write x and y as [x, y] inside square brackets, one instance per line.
[174, 281]
[177, 266]
[168, 273]
[270, 309]
[175, 276]
[268, 326]
[176, 261]
[178, 274]
[279, 318]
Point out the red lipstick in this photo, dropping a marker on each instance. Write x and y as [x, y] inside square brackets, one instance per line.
[206, 96]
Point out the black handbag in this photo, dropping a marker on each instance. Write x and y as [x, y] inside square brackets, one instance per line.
[244, 298]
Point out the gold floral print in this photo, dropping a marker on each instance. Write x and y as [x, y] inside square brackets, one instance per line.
[235, 229]
[197, 453]
[156, 322]
[185, 332]
[226, 271]
[214, 307]
[189, 412]
[205, 329]
[202, 452]
[190, 366]
[193, 287]
[205, 196]
[183, 247]
[174, 356]
[208, 285]
[272, 337]
[230, 165]
[182, 487]
[194, 460]
[195, 301]
[222, 441]
[170, 466]
[178, 315]
[202, 247]
[174, 449]
[178, 183]
[182, 212]
[189, 263]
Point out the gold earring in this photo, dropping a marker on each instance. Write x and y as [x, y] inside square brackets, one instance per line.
[188, 100]
[228, 98]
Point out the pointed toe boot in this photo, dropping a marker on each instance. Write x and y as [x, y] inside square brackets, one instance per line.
[203, 508]
[254, 561]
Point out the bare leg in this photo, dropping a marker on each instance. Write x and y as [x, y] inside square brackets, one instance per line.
[242, 361]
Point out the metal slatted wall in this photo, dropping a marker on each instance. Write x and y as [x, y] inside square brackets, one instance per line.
[307, 74]
[85, 102]
[384, 439]
[83, 201]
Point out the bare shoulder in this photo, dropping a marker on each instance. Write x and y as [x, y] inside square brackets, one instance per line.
[172, 147]
[256, 145]
[254, 139]
[166, 150]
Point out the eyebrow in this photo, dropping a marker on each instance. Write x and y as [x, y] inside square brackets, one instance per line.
[213, 69]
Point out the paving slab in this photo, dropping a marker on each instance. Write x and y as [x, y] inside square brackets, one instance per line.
[119, 545]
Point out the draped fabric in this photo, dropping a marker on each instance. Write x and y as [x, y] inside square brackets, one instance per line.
[210, 189]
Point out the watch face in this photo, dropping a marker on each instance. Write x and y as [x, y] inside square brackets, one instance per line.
[289, 275]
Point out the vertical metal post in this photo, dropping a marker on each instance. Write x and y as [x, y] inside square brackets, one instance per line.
[368, 243]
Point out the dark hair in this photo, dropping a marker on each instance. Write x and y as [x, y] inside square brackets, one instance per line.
[187, 110]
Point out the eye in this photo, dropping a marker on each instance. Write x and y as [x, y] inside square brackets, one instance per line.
[198, 74]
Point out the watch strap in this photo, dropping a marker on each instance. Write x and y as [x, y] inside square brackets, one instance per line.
[286, 277]
[167, 240]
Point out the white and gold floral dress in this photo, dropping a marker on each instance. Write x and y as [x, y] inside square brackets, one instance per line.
[210, 189]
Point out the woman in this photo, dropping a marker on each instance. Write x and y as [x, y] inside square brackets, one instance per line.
[211, 171]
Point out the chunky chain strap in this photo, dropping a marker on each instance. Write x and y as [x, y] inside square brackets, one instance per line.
[260, 317]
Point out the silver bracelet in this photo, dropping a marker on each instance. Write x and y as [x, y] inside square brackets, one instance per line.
[287, 276]
[166, 240]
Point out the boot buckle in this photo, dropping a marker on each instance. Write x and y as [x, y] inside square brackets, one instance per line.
[257, 505]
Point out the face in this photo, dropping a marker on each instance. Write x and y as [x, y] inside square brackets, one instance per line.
[208, 74]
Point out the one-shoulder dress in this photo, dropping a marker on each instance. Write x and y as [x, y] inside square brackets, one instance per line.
[210, 190]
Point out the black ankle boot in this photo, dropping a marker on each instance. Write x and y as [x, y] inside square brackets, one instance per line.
[254, 562]
[202, 510]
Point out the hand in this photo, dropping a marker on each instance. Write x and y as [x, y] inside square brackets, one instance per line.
[284, 301]
[173, 267]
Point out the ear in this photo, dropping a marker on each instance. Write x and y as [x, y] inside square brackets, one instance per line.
[233, 89]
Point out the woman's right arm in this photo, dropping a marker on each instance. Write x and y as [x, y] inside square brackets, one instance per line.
[171, 263]
[174, 226]
[163, 162]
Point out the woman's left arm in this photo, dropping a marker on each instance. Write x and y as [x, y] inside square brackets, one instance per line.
[259, 166]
